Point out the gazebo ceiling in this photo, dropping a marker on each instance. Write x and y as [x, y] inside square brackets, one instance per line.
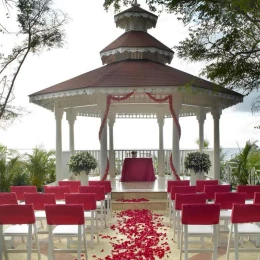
[135, 63]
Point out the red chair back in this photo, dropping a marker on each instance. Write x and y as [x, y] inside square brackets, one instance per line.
[201, 183]
[8, 198]
[20, 190]
[227, 199]
[98, 190]
[210, 190]
[171, 183]
[181, 199]
[182, 190]
[59, 191]
[249, 190]
[257, 198]
[62, 214]
[39, 199]
[16, 214]
[245, 213]
[106, 184]
[74, 185]
[200, 214]
[87, 199]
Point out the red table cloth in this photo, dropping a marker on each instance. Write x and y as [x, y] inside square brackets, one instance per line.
[138, 169]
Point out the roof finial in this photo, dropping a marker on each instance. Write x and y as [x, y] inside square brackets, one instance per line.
[135, 3]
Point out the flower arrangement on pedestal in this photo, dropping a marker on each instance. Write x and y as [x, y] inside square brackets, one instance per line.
[82, 161]
[198, 162]
[134, 154]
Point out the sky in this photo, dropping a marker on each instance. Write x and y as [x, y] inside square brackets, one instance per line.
[90, 29]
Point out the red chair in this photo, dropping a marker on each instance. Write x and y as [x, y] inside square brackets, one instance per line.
[100, 199]
[20, 190]
[226, 201]
[249, 190]
[181, 199]
[108, 190]
[257, 198]
[66, 221]
[90, 209]
[22, 221]
[8, 198]
[211, 190]
[74, 185]
[171, 183]
[243, 223]
[199, 220]
[38, 201]
[174, 191]
[201, 183]
[59, 191]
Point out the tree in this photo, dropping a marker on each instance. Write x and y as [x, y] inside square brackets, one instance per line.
[205, 143]
[223, 33]
[247, 158]
[38, 27]
[40, 165]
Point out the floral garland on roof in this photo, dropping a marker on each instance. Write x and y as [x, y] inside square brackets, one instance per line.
[168, 97]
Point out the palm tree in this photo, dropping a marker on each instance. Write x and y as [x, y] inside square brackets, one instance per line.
[247, 157]
[11, 166]
[40, 164]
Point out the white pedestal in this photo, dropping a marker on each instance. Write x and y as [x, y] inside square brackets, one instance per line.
[195, 176]
[83, 178]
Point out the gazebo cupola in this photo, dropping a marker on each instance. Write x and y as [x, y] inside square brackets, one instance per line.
[136, 43]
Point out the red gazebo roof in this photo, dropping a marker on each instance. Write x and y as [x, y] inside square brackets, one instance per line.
[136, 39]
[134, 73]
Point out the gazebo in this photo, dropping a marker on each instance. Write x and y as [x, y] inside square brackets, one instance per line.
[135, 82]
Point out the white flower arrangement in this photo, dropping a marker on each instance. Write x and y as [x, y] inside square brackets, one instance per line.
[198, 162]
[82, 161]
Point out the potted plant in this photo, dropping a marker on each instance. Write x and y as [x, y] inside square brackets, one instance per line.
[134, 154]
[81, 164]
[198, 164]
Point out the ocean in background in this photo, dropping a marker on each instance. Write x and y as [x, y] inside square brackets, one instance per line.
[229, 153]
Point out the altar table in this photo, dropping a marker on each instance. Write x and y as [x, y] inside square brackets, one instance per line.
[138, 169]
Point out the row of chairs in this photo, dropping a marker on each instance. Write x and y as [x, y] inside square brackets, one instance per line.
[93, 198]
[198, 218]
[63, 220]
[210, 187]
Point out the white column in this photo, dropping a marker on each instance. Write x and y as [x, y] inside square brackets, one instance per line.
[58, 117]
[103, 140]
[160, 121]
[112, 168]
[201, 116]
[71, 117]
[177, 102]
[216, 112]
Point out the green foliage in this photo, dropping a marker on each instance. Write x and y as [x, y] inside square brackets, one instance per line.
[206, 143]
[82, 161]
[11, 167]
[198, 162]
[225, 34]
[40, 164]
[248, 156]
[21, 179]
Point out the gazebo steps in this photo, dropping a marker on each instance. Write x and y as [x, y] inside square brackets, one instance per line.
[156, 200]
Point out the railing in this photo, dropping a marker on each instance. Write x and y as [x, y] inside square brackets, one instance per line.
[228, 175]
[120, 155]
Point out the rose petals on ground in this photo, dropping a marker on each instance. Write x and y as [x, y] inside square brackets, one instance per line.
[144, 239]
